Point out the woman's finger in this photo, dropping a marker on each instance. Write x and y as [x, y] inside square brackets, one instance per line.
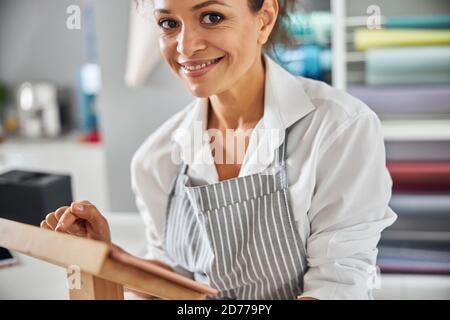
[74, 228]
[60, 212]
[81, 210]
[88, 212]
[78, 228]
[51, 221]
[64, 212]
[44, 225]
[66, 221]
[71, 215]
[85, 210]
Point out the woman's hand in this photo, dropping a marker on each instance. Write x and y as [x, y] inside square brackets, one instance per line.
[306, 298]
[81, 219]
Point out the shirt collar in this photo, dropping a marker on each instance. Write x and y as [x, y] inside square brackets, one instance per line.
[285, 98]
[285, 103]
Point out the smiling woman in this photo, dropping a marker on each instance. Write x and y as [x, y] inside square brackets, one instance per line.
[297, 208]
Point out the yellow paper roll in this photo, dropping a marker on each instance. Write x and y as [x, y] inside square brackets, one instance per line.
[365, 39]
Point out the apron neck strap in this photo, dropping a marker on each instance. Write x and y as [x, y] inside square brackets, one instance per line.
[280, 153]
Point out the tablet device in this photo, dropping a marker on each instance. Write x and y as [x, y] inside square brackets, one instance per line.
[6, 257]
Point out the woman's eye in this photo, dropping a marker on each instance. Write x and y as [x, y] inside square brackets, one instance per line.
[212, 18]
[168, 24]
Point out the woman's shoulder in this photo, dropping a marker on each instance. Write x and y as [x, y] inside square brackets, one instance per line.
[331, 101]
[335, 111]
[335, 108]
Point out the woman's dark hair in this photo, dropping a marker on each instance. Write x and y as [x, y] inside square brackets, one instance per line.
[280, 34]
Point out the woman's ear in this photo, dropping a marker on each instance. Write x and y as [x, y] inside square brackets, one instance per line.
[268, 17]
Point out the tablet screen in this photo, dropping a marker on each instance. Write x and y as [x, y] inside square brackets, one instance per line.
[6, 257]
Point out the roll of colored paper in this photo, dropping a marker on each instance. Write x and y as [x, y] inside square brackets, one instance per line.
[405, 100]
[426, 205]
[408, 65]
[426, 22]
[420, 176]
[314, 27]
[403, 129]
[411, 77]
[418, 150]
[393, 259]
[307, 61]
[365, 39]
[416, 239]
[421, 212]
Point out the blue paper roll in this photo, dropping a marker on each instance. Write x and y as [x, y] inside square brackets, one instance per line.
[423, 22]
[408, 65]
[308, 61]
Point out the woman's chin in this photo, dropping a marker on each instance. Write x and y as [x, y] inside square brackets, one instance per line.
[201, 90]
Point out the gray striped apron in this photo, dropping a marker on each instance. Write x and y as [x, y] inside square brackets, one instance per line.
[239, 235]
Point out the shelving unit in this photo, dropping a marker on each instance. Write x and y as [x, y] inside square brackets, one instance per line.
[348, 14]
[420, 133]
[338, 44]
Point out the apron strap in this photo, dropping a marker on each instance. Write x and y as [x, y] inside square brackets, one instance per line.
[184, 168]
[280, 154]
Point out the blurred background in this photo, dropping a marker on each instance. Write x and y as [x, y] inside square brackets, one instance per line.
[82, 85]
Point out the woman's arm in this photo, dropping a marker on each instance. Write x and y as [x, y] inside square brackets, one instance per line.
[348, 211]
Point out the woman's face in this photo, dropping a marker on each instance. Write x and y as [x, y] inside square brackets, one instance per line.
[211, 44]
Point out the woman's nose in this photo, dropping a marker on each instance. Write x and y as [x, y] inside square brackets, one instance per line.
[189, 41]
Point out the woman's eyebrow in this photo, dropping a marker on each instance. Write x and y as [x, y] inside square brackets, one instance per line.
[208, 3]
[196, 7]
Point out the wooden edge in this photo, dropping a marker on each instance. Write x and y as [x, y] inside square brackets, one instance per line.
[158, 270]
[57, 248]
[146, 282]
[95, 288]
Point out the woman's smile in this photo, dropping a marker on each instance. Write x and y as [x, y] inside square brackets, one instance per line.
[198, 68]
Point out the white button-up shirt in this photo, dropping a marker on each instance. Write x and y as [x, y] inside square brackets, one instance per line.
[339, 184]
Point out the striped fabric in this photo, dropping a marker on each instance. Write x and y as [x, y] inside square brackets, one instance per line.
[239, 235]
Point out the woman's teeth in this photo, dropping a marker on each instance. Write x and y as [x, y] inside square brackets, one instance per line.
[201, 66]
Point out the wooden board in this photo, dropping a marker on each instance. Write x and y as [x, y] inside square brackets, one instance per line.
[103, 274]
[145, 282]
[57, 248]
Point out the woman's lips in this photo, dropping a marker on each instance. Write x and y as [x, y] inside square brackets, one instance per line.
[199, 70]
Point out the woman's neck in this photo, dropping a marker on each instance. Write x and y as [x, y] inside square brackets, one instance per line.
[242, 106]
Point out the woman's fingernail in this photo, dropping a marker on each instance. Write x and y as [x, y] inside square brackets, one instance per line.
[78, 207]
[59, 226]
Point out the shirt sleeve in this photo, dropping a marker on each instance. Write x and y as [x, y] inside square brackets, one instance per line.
[348, 211]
